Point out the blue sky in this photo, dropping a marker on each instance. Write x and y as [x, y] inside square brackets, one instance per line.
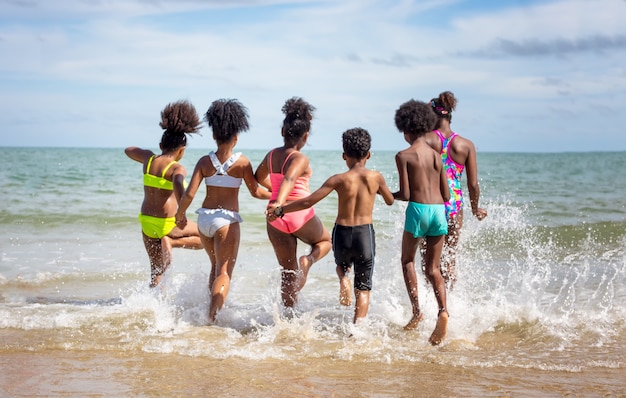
[530, 76]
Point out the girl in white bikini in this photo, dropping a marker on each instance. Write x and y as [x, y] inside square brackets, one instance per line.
[218, 220]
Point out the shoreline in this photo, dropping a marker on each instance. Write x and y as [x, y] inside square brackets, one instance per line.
[105, 373]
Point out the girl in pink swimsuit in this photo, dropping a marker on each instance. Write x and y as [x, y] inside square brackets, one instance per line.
[286, 171]
[458, 154]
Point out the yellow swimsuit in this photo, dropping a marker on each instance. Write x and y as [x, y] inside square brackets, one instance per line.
[157, 227]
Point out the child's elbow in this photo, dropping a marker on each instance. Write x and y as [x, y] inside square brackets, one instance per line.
[400, 196]
[260, 193]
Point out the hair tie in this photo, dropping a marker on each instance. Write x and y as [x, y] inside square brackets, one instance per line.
[442, 110]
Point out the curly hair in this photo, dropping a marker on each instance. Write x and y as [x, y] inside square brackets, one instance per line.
[178, 119]
[444, 104]
[298, 116]
[415, 117]
[356, 143]
[227, 118]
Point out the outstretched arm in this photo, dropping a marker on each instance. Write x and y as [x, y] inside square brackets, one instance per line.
[472, 183]
[403, 179]
[298, 164]
[253, 185]
[178, 180]
[444, 188]
[138, 154]
[384, 191]
[188, 195]
[275, 210]
[262, 174]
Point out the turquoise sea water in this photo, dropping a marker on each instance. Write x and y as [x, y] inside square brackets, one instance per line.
[541, 279]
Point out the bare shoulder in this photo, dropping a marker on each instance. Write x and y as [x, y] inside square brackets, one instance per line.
[369, 173]
[432, 139]
[178, 168]
[340, 178]
[298, 159]
[243, 160]
[462, 142]
[405, 152]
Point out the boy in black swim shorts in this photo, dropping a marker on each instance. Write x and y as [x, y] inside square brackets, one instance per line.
[353, 234]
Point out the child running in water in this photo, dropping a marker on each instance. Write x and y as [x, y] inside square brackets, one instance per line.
[353, 234]
[423, 183]
[218, 220]
[457, 154]
[287, 171]
[163, 180]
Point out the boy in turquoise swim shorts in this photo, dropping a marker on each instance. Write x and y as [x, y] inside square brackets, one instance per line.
[424, 185]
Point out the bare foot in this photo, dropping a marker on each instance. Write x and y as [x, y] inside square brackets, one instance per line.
[412, 325]
[440, 329]
[156, 276]
[345, 292]
[155, 280]
[305, 264]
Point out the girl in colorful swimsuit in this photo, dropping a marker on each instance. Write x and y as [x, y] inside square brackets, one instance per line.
[287, 171]
[458, 154]
[218, 220]
[163, 181]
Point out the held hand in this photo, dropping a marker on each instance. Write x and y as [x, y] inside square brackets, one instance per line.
[181, 221]
[480, 213]
[273, 211]
[269, 211]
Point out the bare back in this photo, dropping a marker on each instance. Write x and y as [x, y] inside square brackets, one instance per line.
[222, 197]
[163, 202]
[422, 176]
[461, 149]
[357, 189]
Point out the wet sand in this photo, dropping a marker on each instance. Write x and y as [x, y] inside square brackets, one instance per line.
[130, 374]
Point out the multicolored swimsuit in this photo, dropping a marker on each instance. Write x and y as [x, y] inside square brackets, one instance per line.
[454, 172]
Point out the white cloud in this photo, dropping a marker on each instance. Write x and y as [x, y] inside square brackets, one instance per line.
[356, 61]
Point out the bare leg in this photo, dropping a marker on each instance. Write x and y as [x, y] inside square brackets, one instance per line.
[155, 254]
[285, 246]
[409, 248]
[345, 287]
[187, 238]
[225, 245]
[315, 234]
[166, 250]
[362, 304]
[448, 266]
[434, 246]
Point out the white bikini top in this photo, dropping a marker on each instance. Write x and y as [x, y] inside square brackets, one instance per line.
[221, 177]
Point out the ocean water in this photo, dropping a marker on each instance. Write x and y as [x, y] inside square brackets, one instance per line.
[539, 308]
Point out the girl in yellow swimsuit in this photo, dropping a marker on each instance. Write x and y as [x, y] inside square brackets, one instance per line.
[163, 180]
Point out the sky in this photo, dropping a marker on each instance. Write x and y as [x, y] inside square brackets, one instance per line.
[529, 76]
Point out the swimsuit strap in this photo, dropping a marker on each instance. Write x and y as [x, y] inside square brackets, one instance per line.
[149, 163]
[282, 169]
[221, 168]
[166, 168]
[445, 142]
[271, 153]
